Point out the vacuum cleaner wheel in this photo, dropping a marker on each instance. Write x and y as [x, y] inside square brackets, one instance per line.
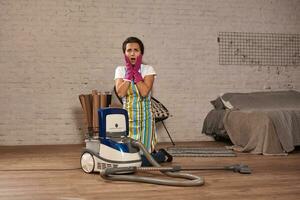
[87, 162]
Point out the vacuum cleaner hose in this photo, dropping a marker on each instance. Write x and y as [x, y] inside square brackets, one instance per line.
[114, 173]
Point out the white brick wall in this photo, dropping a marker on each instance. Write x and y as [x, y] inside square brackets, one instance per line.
[53, 50]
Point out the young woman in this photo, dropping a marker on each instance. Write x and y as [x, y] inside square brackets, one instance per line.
[134, 83]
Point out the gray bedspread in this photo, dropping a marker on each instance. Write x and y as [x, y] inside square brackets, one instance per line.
[263, 122]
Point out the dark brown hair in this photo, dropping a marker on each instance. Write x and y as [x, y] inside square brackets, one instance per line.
[133, 40]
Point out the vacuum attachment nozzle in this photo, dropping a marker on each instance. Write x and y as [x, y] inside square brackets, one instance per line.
[243, 169]
[240, 168]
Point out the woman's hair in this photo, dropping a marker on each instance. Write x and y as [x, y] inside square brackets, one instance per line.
[133, 40]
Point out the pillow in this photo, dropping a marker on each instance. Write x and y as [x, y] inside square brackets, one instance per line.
[226, 104]
[218, 104]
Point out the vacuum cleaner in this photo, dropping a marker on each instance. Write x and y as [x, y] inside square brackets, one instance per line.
[118, 157]
[110, 149]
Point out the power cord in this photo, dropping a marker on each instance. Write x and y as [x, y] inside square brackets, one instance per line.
[29, 170]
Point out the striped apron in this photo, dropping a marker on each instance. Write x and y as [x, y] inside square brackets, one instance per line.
[141, 122]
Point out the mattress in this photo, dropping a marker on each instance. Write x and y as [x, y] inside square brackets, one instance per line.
[260, 122]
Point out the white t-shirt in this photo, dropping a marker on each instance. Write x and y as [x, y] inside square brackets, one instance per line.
[145, 70]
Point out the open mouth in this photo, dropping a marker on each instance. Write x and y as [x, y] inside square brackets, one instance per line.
[132, 59]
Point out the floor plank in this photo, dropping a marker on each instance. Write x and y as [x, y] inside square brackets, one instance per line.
[54, 173]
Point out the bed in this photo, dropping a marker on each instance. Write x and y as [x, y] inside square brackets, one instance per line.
[259, 122]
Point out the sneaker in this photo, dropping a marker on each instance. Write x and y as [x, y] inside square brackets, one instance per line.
[158, 156]
[169, 156]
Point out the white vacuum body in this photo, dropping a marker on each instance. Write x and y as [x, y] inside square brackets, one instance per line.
[109, 150]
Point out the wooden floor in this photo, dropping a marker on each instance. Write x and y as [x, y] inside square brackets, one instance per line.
[52, 172]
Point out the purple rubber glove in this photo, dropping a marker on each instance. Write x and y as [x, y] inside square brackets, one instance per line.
[129, 70]
[137, 66]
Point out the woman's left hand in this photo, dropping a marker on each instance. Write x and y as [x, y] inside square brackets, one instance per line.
[137, 66]
[138, 63]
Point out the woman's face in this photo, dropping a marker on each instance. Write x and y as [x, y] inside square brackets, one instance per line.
[132, 51]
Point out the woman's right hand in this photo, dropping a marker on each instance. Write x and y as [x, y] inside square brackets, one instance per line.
[129, 70]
